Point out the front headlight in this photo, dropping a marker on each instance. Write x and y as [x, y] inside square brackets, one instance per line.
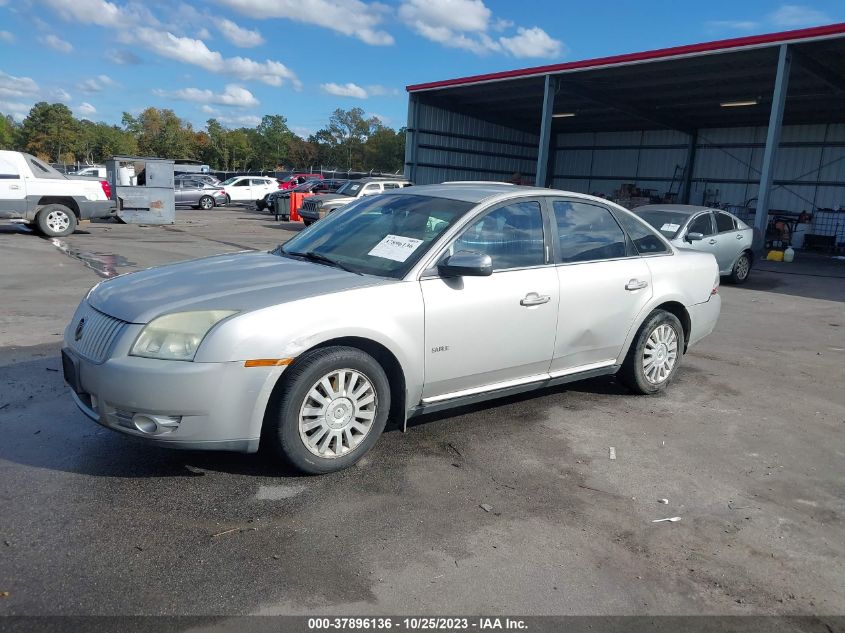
[176, 336]
[318, 204]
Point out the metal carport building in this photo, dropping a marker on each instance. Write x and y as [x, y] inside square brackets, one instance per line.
[759, 117]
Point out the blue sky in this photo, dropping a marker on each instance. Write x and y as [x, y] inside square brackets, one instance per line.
[238, 59]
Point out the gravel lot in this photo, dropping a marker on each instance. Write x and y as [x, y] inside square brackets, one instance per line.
[747, 446]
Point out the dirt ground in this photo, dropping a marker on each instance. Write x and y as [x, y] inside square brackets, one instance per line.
[747, 445]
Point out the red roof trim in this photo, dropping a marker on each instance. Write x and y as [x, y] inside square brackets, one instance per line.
[661, 53]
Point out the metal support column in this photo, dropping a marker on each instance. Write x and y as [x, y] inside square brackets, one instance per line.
[542, 177]
[412, 137]
[772, 141]
[693, 143]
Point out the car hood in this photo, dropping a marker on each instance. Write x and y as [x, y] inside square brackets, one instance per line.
[326, 197]
[238, 281]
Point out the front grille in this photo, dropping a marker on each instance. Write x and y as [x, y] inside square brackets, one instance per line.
[309, 205]
[97, 334]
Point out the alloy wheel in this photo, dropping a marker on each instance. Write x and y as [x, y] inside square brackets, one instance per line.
[660, 354]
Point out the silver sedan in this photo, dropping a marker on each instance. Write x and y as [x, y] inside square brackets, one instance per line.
[399, 304]
[714, 231]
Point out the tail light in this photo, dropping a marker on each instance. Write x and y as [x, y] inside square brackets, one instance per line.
[106, 188]
[716, 283]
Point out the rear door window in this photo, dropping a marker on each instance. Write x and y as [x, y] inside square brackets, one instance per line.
[724, 223]
[587, 232]
[643, 236]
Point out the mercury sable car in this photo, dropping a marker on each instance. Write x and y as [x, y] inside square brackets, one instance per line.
[399, 304]
[713, 231]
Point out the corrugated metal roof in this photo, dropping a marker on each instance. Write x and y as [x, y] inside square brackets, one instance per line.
[662, 54]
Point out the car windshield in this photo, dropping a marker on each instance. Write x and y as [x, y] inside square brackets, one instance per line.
[229, 181]
[351, 188]
[666, 221]
[381, 235]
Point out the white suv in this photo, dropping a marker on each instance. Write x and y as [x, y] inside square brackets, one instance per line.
[316, 207]
[249, 188]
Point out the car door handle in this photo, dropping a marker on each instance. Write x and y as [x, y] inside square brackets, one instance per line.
[712, 241]
[635, 284]
[14, 187]
[739, 237]
[534, 299]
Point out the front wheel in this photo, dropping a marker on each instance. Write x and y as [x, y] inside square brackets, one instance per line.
[331, 409]
[655, 354]
[741, 269]
[56, 220]
[206, 203]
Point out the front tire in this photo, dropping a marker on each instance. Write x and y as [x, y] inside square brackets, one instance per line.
[206, 203]
[56, 220]
[741, 269]
[655, 354]
[331, 408]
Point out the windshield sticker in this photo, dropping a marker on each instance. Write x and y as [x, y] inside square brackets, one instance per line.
[670, 227]
[395, 247]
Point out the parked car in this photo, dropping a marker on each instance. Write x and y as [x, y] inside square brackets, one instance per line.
[320, 206]
[309, 186]
[51, 202]
[409, 302]
[294, 180]
[189, 192]
[714, 231]
[206, 178]
[248, 188]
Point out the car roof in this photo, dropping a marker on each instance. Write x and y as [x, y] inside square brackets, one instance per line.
[688, 209]
[476, 193]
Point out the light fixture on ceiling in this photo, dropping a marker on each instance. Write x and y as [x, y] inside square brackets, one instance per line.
[563, 115]
[739, 104]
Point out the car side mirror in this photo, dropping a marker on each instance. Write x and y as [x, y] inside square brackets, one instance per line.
[466, 264]
[694, 237]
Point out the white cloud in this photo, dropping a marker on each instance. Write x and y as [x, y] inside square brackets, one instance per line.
[534, 42]
[97, 84]
[59, 94]
[97, 12]
[209, 110]
[345, 90]
[195, 52]
[246, 120]
[232, 95]
[18, 110]
[467, 24]
[238, 35]
[124, 57]
[349, 17]
[56, 43]
[11, 86]
[85, 109]
[796, 16]
[7, 37]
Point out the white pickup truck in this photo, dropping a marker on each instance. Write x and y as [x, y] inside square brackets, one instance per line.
[49, 201]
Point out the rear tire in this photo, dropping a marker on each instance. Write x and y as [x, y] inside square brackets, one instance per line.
[655, 354]
[741, 269]
[56, 220]
[330, 410]
[206, 203]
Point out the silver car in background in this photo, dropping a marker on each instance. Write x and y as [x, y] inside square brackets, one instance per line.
[198, 194]
[403, 303]
[714, 231]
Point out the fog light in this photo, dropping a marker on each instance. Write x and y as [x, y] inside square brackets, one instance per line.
[155, 424]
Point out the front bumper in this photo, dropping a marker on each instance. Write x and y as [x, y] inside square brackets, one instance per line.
[207, 406]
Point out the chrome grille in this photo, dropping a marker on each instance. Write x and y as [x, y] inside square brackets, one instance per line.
[98, 333]
[310, 205]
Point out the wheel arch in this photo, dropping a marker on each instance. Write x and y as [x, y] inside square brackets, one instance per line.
[382, 355]
[679, 310]
[70, 203]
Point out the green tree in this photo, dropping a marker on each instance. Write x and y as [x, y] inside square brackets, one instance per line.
[348, 131]
[8, 132]
[160, 133]
[385, 149]
[50, 131]
[100, 141]
[274, 141]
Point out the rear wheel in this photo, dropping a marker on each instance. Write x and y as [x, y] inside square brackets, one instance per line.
[206, 203]
[331, 409]
[56, 220]
[741, 269]
[655, 354]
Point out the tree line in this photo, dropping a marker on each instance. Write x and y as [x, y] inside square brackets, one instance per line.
[349, 140]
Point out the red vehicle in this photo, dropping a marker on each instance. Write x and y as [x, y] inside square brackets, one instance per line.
[294, 180]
